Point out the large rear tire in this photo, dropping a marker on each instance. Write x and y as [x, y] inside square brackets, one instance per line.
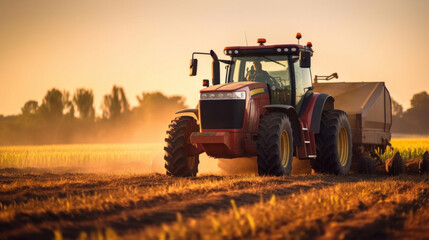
[275, 145]
[333, 144]
[181, 157]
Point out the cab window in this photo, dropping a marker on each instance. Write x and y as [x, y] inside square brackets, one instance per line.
[272, 70]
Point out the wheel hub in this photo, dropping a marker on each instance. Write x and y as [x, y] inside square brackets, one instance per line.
[343, 146]
[285, 148]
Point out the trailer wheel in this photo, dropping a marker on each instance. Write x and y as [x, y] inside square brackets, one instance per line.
[181, 157]
[274, 145]
[333, 144]
[367, 164]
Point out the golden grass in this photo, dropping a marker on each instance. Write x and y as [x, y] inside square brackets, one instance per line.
[132, 157]
[299, 216]
[108, 191]
[155, 206]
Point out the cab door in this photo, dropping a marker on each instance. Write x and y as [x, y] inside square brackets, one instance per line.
[302, 84]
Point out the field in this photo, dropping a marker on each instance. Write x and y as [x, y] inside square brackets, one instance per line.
[113, 192]
[408, 148]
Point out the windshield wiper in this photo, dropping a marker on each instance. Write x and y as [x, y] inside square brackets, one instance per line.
[274, 61]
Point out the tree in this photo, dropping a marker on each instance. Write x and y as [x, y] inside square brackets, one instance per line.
[420, 100]
[52, 105]
[30, 108]
[84, 101]
[115, 104]
[150, 102]
[417, 115]
[154, 113]
[68, 105]
[397, 109]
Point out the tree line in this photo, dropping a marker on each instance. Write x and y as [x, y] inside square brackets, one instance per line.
[62, 118]
[413, 120]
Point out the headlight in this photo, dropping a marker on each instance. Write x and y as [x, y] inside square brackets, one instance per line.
[223, 96]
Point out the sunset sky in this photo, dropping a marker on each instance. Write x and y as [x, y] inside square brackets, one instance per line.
[146, 45]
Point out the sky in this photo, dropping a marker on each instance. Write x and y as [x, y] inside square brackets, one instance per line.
[145, 46]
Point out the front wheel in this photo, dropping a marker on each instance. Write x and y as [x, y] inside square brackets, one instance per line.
[275, 145]
[181, 157]
[333, 144]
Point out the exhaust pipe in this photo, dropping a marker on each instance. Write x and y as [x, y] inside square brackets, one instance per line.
[215, 69]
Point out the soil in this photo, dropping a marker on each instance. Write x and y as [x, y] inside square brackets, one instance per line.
[39, 205]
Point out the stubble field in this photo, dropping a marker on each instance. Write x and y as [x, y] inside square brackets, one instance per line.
[112, 192]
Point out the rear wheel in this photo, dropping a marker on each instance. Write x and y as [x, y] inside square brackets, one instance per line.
[274, 145]
[181, 157]
[333, 144]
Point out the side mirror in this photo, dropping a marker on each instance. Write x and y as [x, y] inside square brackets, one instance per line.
[305, 59]
[193, 67]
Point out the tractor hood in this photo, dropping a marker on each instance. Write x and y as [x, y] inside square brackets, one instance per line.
[232, 87]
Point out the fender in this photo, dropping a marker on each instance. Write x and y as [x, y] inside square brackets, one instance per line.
[323, 102]
[293, 117]
[188, 112]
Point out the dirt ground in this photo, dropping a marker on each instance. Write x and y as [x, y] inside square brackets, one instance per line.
[40, 205]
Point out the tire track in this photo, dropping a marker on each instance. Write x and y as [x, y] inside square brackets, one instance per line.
[141, 215]
[377, 220]
[277, 220]
[89, 186]
[194, 198]
[371, 221]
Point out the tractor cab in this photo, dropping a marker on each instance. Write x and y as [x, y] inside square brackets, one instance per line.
[288, 77]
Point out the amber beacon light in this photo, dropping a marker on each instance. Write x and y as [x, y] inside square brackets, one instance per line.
[205, 83]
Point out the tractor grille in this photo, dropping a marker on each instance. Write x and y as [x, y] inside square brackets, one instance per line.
[222, 114]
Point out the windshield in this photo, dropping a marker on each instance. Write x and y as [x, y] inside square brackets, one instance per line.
[273, 70]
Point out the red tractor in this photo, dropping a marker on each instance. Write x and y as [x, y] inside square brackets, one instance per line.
[268, 108]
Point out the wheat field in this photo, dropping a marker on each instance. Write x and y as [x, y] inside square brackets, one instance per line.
[86, 158]
[132, 157]
[408, 148]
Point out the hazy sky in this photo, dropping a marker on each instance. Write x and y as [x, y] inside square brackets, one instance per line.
[146, 45]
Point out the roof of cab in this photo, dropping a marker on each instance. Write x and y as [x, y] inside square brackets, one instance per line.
[279, 49]
[265, 46]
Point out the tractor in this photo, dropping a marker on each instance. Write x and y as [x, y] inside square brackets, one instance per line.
[269, 107]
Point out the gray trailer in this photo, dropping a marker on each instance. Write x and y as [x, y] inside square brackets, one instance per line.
[369, 110]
